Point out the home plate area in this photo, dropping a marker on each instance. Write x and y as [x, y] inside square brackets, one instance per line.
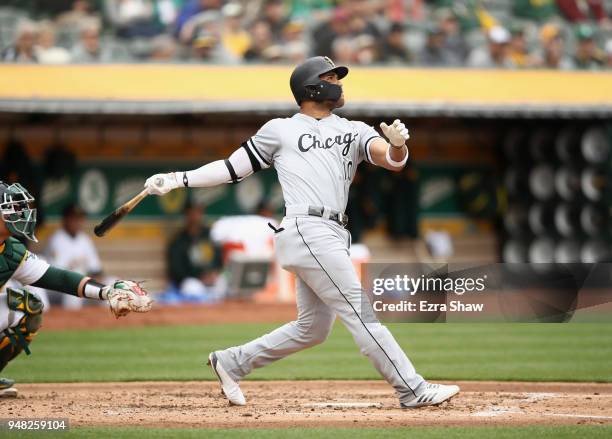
[309, 404]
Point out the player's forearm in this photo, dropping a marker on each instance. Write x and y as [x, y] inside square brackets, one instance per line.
[72, 283]
[239, 165]
[398, 154]
[387, 156]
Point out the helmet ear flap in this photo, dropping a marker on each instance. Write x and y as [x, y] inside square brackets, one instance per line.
[313, 90]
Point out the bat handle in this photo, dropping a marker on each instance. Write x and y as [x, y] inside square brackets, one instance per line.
[138, 198]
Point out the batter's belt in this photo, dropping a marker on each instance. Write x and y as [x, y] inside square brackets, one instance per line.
[320, 211]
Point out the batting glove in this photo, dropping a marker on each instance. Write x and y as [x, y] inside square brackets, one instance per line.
[397, 133]
[161, 184]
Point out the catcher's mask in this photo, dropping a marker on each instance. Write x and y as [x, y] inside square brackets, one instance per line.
[16, 210]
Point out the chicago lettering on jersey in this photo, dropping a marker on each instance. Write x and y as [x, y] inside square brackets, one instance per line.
[306, 142]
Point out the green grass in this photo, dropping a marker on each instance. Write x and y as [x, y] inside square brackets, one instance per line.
[559, 432]
[535, 352]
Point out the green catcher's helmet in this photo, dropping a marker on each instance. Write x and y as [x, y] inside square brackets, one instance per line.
[16, 210]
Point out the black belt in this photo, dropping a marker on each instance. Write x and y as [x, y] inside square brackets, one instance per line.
[335, 216]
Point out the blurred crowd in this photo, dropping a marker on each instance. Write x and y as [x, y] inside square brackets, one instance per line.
[556, 34]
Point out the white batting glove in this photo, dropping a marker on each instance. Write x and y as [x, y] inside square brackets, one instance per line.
[397, 133]
[161, 184]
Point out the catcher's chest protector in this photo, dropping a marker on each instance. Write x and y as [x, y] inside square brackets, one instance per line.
[12, 253]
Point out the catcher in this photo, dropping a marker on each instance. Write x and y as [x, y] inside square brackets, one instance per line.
[20, 309]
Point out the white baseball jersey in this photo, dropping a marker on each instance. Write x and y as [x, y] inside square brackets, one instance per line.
[316, 160]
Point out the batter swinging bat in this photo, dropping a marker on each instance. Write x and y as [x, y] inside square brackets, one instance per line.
[111, 220]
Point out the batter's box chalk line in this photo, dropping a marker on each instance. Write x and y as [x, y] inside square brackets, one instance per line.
[353, 405]
[497, 411]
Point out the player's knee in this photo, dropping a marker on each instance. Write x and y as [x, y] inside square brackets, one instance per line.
[321, 332]
[314, 332]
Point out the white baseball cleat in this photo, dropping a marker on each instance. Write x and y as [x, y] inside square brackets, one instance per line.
[6, 388]
[432, 394]
[230, 388]
[9, 393]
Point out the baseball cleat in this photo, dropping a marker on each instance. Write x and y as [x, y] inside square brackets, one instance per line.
[11, 392]
[6, 388]
[5, 383]
[230, 388]
[432, 394]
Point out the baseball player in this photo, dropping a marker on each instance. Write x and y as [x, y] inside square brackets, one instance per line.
[315, 154]
[21, 309]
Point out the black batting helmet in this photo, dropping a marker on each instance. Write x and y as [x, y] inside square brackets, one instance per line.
[306, 83]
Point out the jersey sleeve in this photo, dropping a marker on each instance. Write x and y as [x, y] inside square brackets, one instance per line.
[263, 145]
[365, 135]
[31, 269]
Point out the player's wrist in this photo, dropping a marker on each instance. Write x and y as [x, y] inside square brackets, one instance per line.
[95, 290]
[397, 146]
[178, 179]
[395, 163]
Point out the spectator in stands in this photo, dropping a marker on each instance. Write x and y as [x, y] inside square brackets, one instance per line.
[394, 47]
[608, 49]
[327, 32]
[553, 47]
[71, 248]
[433, 53]
[163, 49]
[208, 21]
[46, 50]
[263, 48]
[81, 10]
[469, 13]
[22, 50]
[344, 50]
[206, 47]
[366, 50]
[234, 37]
[89, 49]
[587, 56]
[194, 263]
[192, 8]
[495, 55]
[579, 11]
[518, 51]
[454, 46]
[295, 49]
[362, 14]
[275, 14]
[133, 18]
[538, 10]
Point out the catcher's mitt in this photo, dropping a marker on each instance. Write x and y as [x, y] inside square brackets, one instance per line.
[125, 296]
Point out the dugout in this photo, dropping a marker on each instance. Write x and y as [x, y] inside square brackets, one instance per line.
[476, 138]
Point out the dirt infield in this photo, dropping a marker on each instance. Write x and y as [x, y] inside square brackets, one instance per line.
[308, 404]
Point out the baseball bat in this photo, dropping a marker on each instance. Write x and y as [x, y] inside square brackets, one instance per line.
[111, 220]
